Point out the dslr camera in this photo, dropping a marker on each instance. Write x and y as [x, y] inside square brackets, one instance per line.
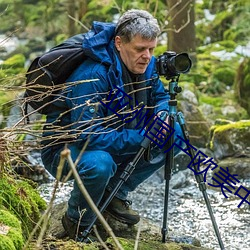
[171, 65]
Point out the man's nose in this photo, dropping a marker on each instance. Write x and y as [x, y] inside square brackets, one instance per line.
[146, 54]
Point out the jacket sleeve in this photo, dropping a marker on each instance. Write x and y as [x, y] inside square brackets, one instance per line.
[88, 115]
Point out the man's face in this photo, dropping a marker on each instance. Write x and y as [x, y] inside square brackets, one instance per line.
[137, 53]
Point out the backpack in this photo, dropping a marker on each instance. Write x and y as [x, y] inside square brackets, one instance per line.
[47, 74]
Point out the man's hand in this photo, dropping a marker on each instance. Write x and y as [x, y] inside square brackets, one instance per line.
[166, 120]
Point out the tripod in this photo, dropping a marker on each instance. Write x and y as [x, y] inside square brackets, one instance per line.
[169, 163]
[173, 90]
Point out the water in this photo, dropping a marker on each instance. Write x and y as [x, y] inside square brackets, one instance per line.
[188, 215]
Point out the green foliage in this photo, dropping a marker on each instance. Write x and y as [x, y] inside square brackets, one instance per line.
[214, 101]
[229, 23]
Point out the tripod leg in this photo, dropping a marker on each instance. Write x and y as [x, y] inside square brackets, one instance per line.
[200, 180]
[168, 172]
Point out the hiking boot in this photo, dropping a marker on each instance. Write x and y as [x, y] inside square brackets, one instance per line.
[75, 231]
[121, 211]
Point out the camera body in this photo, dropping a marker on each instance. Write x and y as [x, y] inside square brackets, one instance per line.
[171, 65]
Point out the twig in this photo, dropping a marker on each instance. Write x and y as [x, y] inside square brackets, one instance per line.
[137, 236]
[99, 238]
[66, 155]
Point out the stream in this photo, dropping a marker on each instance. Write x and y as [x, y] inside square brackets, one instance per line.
[187, 212]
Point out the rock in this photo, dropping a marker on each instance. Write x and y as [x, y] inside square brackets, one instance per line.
[197, 125]
[181, 180]
[239, 166]
[190, 97]
[230, 140]
[149, 238]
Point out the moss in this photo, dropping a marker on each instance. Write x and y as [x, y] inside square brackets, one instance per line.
[128, 244]
[16, 237]
[16, 61]
[236, 125]
[13, 239]
[242, 84]
[21, 199]
[6, 243]
[225, 75]
[221, 133]
[214, 101]
[9, 219]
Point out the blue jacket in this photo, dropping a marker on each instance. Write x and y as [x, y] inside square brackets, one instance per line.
[89, 117]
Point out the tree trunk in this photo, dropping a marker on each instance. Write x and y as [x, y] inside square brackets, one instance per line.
[71, 6]
[181, 27]
[83, 7]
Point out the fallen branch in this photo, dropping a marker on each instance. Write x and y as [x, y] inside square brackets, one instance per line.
[65, 154]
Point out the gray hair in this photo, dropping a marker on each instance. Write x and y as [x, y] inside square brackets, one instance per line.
[137, 22]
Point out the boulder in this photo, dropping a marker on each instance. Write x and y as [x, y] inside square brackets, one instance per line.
[149, 238]
[230, 140]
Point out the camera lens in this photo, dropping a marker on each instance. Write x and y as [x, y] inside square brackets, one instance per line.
[182, 63]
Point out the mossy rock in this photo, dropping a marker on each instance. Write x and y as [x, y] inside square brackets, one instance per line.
[22, 200]
[230, 140]
[221, 106]
[16, 61]
[11, 237]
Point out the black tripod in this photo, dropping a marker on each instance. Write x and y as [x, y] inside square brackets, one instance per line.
[169, 163]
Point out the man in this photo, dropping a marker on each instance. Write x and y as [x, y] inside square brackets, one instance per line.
[103, 115]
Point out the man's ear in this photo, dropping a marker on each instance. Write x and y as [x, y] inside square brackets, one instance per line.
[118, 42]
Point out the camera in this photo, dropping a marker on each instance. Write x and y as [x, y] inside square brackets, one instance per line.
[171, 65]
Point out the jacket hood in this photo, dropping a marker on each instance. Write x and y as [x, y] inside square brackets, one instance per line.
[98, 43]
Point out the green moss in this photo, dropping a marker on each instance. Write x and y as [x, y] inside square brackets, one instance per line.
[225, 75]
[16, 61]
[21, 199]
[128, 244]
[9, 219]
[13, 239]
[220, 132]
[212, 100]
[16, 237]
[6, 243]
[236, 125]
